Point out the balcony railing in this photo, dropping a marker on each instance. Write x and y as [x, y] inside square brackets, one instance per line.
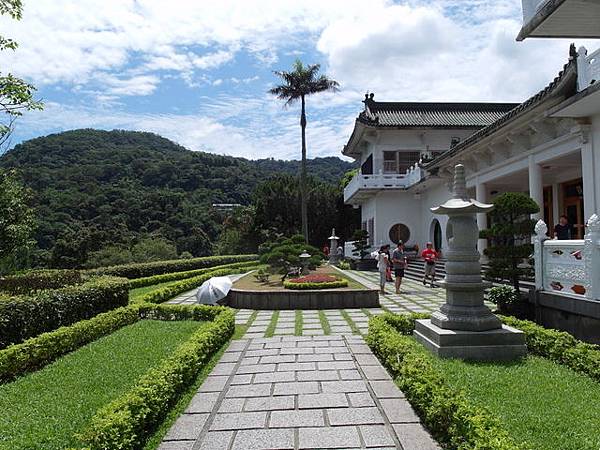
[366, 184]
[569, 267]
[588, 68]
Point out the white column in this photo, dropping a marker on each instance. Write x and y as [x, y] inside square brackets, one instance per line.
[482, 223]
[536, 188]
[555, 208]
[590, 166]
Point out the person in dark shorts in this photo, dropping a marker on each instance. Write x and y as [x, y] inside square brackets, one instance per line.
[399, 261]
[430, 256]
[563, 229]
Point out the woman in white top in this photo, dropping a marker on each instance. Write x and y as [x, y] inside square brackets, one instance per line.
[382, 265]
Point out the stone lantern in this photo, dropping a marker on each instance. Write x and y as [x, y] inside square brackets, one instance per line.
[464, 327]
[334, 257]
[304, 258]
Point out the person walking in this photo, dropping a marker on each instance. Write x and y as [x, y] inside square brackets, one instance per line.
[382, 265]
[430, 256]
[400, 261]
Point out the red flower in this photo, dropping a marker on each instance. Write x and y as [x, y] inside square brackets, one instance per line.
[315, 278]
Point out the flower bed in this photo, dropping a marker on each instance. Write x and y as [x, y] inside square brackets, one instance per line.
[315, 281]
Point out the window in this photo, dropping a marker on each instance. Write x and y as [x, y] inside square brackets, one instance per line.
[399, 232]
[371, 230]
[399, 161]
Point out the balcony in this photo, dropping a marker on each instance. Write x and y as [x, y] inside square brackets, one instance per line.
[560, 18]
[362, 187]
[588, 68]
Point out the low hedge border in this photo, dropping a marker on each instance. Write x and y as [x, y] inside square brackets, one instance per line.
[24, 317]
[557, 346]
[156, 279]
[446, 412]
[36, 280]
[35, 353]
[168, 292]
[307, 286]
[141, 270]
[126, 422]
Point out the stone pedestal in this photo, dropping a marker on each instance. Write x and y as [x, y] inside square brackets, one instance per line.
[464, 327]
[500, 344]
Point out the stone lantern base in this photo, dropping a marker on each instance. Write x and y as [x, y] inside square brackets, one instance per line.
[500, 344]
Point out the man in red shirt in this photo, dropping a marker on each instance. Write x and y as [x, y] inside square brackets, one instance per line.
[430, 256]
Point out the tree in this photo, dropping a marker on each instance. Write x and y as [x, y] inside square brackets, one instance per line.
[284, 255]
[509, 237]
[301, 82]
[361, 243]
[17, 222]
[16, 95]
[153, 249]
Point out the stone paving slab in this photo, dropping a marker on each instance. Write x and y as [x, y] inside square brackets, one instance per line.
[298, 399]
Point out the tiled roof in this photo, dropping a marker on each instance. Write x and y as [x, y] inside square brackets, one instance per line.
[431, 115]
[564, 83]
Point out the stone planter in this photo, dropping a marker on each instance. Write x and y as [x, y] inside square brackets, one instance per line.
[311, 299]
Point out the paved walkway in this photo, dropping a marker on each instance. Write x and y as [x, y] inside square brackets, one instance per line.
[298, 392]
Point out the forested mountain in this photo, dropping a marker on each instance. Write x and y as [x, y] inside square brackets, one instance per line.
[97, 188]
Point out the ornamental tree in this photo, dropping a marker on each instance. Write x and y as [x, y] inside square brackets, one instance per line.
[284, 255]
[510, 238]
[361, 243]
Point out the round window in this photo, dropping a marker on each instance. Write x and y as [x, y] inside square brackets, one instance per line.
[399, 232]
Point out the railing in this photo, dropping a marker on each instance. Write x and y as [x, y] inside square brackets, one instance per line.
[382, 181]
[569, 267]
[530, 8]
[588, 68]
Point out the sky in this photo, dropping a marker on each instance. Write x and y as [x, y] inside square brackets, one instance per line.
[198, 72]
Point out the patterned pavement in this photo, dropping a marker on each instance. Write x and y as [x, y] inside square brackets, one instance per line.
[413, 297]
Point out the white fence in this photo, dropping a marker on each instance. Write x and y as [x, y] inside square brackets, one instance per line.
[570, 267]
[383, 181]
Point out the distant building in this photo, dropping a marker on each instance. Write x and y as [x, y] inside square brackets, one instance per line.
[226, 207]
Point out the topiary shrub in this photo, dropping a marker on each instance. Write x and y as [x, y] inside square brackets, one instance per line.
[509, 238]
[361, 244]
[284, 256]
[37, 280]
[503, 297]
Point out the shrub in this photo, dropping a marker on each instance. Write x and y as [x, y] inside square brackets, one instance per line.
[262, 275]
[126, 422]
[36, 352]
[344, 265]
[285, 255]
[139, 270]
[503, 296]
[559, 346]
[36, 280]
[156, 279]
[23, 317]
[447, 413]
[170, 291]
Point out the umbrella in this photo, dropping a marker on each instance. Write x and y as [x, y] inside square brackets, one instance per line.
[213, 290]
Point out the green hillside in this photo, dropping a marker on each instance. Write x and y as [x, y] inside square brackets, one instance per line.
[97, 188]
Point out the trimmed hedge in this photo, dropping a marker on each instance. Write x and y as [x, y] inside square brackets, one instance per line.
[307, 286]
[559, 346]
[447, 413]
[168, 292]
[126, 422]
[37, 280]
[156, 279]
[39, 351]
[140, 270]
[23, 317]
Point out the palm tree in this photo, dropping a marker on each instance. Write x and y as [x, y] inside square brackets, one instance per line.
[297, 84]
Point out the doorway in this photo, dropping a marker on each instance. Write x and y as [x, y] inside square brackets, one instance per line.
[436, 234]
[573, 206]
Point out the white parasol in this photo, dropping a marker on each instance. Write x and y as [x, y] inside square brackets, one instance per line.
[213, 290]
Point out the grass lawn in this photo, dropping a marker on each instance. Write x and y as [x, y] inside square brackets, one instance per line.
[139, 292]
[540, 402]
[250, 283]
[45, 409]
